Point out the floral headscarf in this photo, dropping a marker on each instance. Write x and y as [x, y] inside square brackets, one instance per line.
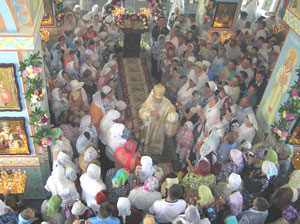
[236, 156]
[120, 178]
[151, 184]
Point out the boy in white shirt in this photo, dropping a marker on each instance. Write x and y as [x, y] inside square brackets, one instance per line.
[166, 210]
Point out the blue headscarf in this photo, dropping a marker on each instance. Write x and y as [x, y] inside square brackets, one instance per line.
[21, 220]
[158, 44]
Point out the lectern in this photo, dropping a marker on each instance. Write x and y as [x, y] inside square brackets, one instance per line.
[132, 46]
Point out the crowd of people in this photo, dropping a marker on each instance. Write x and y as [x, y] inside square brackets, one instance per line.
[101, 174]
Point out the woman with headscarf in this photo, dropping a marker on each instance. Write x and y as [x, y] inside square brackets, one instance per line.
[58, 184]
[208, 117]
[156, 49]
[105, 75]
[78, 101]
[143, 197]
[147, 169]
[59, 103]
[87, 125]
[201, 176]
[84, 140]
[69, 26]
[97, 109]
[63, 81]
[56, 63]
[125, 156]
[235, 202]
[294, 184]
[188, 53]
[224, 189]
[96, 10]
[126, 213]
[91, 184]
[106, 122]
[7, 215]
[50, 210]
[289, 215]
[234, 165]
[229, 122]
[184, 140]
[206, 203]
[87, 65]
[248, 129]
[122, 190]
[77, 13]
[257, 182]
[191, 216]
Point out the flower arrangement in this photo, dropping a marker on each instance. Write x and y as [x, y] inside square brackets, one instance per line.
[109, 8]
[289, 111]
[31, 72]
[157, 9]
[60, 10]
[123, 19]
[209, 11]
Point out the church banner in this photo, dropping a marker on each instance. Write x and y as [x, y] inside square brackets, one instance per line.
[284, 75]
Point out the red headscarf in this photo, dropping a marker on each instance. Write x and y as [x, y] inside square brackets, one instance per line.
[101, 198]
[203, 168]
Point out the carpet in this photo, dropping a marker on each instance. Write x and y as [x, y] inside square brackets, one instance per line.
[136, 85]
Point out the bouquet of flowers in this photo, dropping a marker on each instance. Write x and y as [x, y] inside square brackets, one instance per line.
[289, 111]
[209, 11]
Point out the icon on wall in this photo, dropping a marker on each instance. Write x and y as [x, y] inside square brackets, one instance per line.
[9, 90]
[13, 136]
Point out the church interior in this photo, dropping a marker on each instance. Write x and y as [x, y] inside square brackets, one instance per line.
[149, 111]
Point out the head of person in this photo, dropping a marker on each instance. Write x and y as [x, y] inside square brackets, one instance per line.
[175, 62]
[61, 39]
[27, 215]
[96, 18]
[261, 25]
[149, 219]
[260, 41]
[91, 44]
[158, 93]
[246, 63]
[192, 17]
[105, 210]
[235, 81]
[244, 15]
[70, 17]
[215, 35]
[245, 102]
[243, 76]
[252, 89]
[260, 75]
[203, 168]
[181, 39]
[290, 215]
[261, 204]
[161, 21]
[213, 101]
[231, 65]
[286, 150]
[175, 192]
[230, 137]
[210, 88]
[232, 42]
[221, 52]
[198, 67]
[190, 48]
[254, 50]
[282, 197]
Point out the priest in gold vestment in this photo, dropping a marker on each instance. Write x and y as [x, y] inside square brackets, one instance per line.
[153, 113]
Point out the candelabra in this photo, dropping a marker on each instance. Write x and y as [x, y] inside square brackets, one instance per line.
[13, 180]
[146, 11]
[45, 35]
[119, 11]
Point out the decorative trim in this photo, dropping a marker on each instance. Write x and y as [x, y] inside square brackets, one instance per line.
[17, 43]
[19, 161]
[292, 20]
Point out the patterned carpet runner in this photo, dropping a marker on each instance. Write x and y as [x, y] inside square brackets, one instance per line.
[135, 84]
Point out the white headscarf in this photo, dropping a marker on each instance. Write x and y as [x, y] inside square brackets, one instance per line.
[90, 154]
[85, 122]
[106, 122]
[269, 168]
[105, 71]
[189, 125]
[98, 101]
[93, 172]
[3, 206]
[147, 169]
[55, 95]
[236, 156]
[234, 181]
[60, 78]
[123, 206]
